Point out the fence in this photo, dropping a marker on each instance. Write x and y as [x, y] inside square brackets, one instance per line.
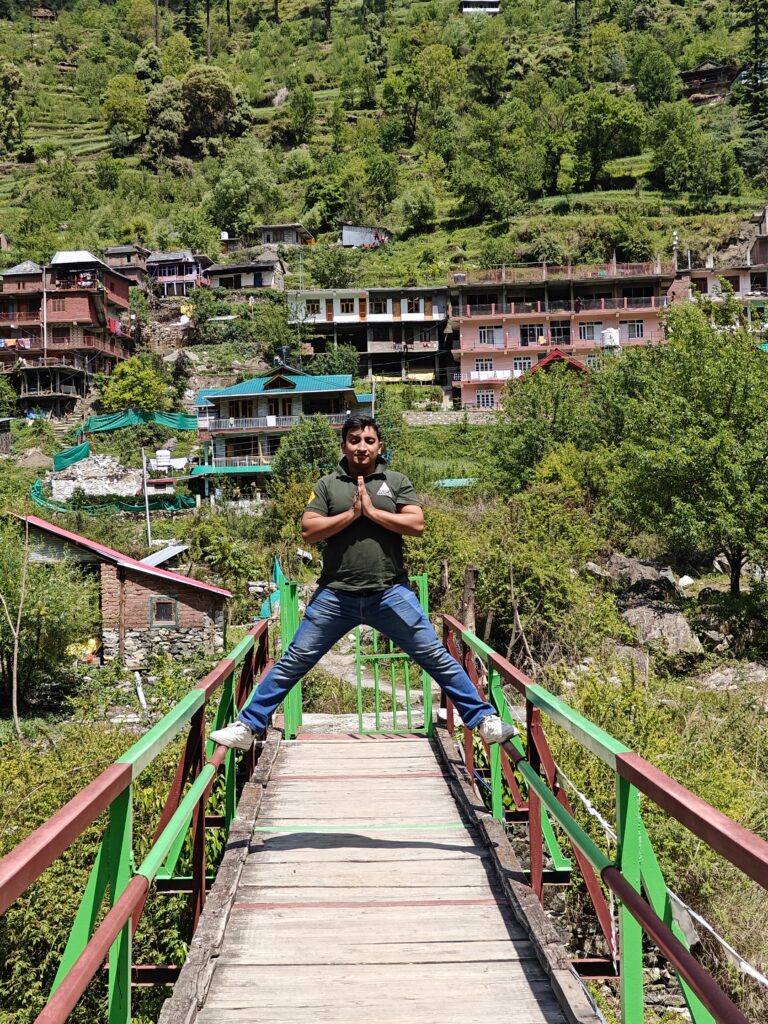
[113, 874]
[533, 779]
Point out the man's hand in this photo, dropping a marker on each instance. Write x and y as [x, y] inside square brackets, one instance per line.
[363, 500]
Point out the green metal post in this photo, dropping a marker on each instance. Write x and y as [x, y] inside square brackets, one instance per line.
[630, 931]
[359, 671]
[426, 683]
[658, 896]
[119, 855]
[289, 623]
[497, 778]
[376, 693]
[393, 684]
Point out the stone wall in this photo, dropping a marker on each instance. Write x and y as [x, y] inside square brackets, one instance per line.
[448, 418]
[141, 645]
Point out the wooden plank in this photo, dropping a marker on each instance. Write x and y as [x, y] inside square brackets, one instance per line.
[387, 1013]
[364, 873]
[386, 924]
[263, 951]
[289, 894]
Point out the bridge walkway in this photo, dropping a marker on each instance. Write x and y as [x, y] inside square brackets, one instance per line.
[364, 896]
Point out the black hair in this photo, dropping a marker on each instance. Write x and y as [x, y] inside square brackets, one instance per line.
[358, 422]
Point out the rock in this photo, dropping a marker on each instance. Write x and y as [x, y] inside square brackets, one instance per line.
[280, 97]
[98, 475]
[734, 676]
[663, 624]
[685, 581]
[170, 444]
[630, 575]
[720, 564]
[623, 652]
[597, 570]
[36, 459]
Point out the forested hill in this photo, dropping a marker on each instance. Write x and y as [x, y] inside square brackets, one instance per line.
[556, 130]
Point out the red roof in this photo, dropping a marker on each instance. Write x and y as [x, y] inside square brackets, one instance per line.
[558, 356]
[125, 561]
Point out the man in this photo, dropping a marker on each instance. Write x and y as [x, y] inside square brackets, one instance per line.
[363, 510]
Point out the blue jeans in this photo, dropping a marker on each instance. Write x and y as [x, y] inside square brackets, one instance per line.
[397, 614]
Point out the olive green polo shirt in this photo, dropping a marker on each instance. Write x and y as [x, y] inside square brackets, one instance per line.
[363, 557]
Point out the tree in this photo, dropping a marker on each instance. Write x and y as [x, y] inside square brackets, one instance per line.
[486, 68]
[540, 412]
[334, 267]
[301, 112]
[654, 73]
[686, 158]
[382, 174]
[11, 113]
[45, 608]
[125, 105]
[147, 67]
[753, 86]
[308, 450]
[419, 209]
[139, 383]
[177, 56]
[8, 398]
[695, 442]
[166, 119]
[606, 126]
[211, 102]
[341, 359]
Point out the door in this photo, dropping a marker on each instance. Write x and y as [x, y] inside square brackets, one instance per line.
[428, 307]
[396, 305]
[363, 307]
[329, 310]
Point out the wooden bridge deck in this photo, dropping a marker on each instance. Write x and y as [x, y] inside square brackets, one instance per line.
[364, 897]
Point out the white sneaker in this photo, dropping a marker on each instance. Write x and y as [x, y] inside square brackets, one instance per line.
[237, 735]
[493, 730]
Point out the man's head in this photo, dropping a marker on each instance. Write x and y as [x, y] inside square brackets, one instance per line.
[361, 444]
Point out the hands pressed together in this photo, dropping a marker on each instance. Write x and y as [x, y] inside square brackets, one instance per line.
[362, 504]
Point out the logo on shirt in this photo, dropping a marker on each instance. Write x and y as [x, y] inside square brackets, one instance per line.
[384, 489]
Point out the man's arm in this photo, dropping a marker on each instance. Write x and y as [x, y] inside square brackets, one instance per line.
[316, 527]
[408, 520]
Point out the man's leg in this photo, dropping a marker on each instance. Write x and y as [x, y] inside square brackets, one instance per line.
[328, 617]
[398, 614]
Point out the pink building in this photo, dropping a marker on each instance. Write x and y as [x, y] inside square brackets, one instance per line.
[508, 319]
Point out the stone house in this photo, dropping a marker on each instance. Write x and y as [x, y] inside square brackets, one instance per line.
[145, 610]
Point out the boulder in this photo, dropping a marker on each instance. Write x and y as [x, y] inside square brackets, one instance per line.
[663, 624]
[734, 676]
[630, 575]
[98, 475]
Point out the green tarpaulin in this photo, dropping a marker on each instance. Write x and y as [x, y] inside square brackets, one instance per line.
[170, 504]
[132, 417]
[70, 456]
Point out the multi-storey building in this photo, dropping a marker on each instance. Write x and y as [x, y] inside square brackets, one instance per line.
[241, 427]
[400, 333]
[130, 260]
[61, 324]
[266, 272]
[507, 319]
[178, 272]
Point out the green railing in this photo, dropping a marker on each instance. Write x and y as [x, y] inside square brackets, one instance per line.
[529, 768]
[114, 874]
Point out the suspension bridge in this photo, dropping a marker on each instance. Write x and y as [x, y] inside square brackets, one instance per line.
[368, 872]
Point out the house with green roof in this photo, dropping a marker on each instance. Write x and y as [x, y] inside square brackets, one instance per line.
[241, 426]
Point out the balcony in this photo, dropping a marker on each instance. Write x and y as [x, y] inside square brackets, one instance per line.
[29, 389]
[34, 343]
[12, 286]
[486, 376]
[85, 281]
[31, 316]
[41, 362]
[241, 461]
[407, 348]
[263, 422]
[486, 310]
[535, 273]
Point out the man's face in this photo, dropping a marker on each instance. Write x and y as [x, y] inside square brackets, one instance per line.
[362, 448]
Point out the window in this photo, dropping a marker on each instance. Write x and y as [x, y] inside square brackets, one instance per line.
[164, 612]
[593, 360]
[378, 307]
[425, 334]
[347, 306]
[312, 306]
[530, 334]
[634, 330]
[560, 332]
[491, 336]
[380, 332]
[230, 282]
[485, 399]
[57, 305]
[412, 305]
[521, 364]
[588, 331]
[486, 363]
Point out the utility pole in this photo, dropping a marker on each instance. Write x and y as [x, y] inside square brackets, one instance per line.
[45, 313]
[146, 496]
